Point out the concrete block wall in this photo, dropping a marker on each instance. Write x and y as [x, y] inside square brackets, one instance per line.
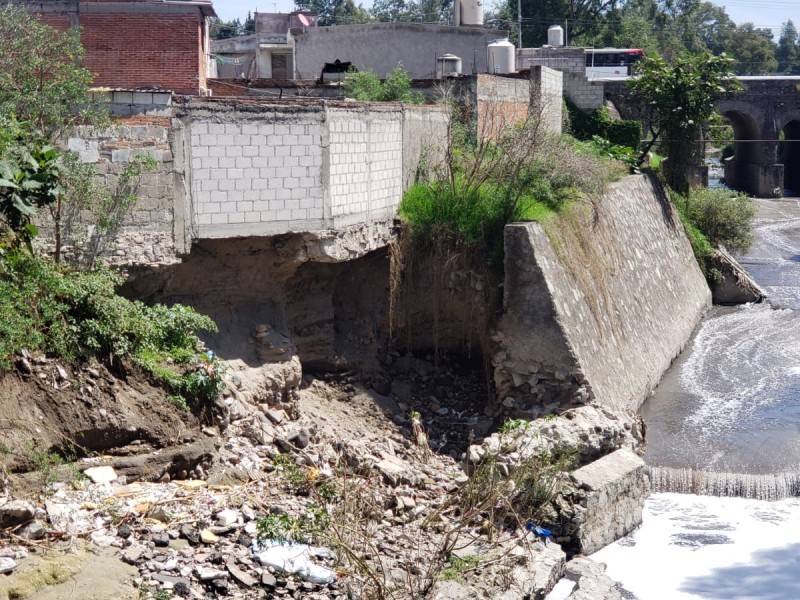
[548, 92]
[366, 166]
[256, 176]
[566, 60]
[585, 94]
[265, 169]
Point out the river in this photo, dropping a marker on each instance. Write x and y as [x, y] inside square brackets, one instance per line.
[725, 421]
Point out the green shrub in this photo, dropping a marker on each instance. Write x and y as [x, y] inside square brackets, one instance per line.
[76, 315]
[366, 86]
[724, 217]
[620, 132]
[715, 217]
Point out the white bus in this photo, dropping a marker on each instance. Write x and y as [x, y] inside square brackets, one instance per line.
[610, 63]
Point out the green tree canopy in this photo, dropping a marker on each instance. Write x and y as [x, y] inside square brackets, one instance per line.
[788, 51]
[336, 12]
[41, 81]
[753, 50]
[679, 101]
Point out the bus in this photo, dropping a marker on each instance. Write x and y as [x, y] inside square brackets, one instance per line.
[611, 63]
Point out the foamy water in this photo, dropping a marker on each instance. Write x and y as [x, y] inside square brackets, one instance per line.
[711, 548]
[726, 420]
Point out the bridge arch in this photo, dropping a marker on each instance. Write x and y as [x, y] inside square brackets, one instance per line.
[789, 155]
[754, 167]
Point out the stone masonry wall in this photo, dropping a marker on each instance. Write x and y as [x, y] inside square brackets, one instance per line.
[146, 236]
[597, 316]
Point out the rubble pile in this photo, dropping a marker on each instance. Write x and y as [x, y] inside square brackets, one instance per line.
[337, 491]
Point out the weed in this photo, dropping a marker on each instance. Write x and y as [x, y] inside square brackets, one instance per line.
[513, 426]
[289, 470]
[52, 466]
[458, 566]
[305, 528]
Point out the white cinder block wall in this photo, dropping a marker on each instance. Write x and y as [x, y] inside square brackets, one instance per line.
[251, 178]
[290, 169]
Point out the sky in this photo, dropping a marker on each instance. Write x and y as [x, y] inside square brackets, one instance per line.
[762, 13]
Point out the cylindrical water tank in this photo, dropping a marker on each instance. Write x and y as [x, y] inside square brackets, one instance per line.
[501, 57]
[471, 12]
[448, 65]
[555, 35]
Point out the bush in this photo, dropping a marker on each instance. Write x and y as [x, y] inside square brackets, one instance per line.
[725, 218]
[366, 86]
[715, 218]
[620, 132]
[76, 315]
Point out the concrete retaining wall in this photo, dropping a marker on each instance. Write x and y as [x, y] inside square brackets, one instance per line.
[596, 311]
[611, 493]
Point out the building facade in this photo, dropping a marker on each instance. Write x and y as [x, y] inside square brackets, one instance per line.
[139, 44]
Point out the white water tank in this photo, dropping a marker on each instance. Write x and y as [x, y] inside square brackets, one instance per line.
[448, 65]
[501, 57]
[555, 36]
[471, 12]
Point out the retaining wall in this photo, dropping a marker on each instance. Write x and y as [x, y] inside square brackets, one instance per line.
[596, 311]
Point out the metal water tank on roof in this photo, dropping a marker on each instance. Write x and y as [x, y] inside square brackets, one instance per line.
[501, 57]
[471, 12]
[555, 36]
[448, 65]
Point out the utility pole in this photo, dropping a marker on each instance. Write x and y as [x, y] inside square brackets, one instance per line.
[519, 23]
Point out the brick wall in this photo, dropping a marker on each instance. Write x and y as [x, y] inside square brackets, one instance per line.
[136, 44]
[134, 51]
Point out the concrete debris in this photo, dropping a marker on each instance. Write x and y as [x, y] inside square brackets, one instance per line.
[243, 525]
[101, 474]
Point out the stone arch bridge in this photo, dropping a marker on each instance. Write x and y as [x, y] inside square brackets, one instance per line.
[765, 116]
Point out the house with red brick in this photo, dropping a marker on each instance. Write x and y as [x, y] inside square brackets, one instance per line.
[139, 44]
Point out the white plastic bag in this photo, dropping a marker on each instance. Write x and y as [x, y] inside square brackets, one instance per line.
[295, 559]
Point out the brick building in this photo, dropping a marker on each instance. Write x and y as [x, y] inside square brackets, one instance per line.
[139, 44]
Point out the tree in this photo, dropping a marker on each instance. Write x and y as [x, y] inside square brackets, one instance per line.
[41, 80]
[753, 50]
[583, 19]
[335, 12]
[788, 51]
[679, 99]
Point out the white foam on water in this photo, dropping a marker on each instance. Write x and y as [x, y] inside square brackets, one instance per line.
[702, 547]
[741, 362]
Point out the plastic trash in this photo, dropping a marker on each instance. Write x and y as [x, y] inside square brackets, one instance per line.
[539, 532]
[295, 559]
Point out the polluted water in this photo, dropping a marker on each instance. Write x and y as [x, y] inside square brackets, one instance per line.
[723, 448]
